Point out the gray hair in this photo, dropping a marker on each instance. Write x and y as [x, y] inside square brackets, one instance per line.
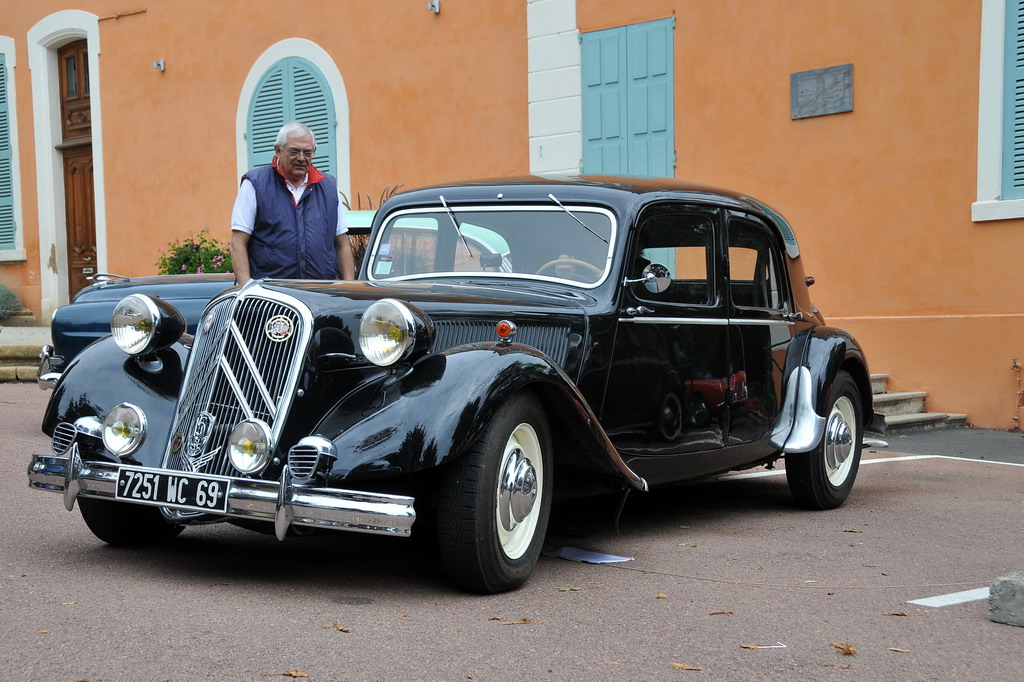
[293, 128]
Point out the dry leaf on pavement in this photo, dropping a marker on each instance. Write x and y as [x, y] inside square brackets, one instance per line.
[846, 649]
[899, 651]
[524, 621]
[293, 673]
[682, 666]
[336, 626]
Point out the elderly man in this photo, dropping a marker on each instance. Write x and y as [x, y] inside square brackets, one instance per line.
[288, 220]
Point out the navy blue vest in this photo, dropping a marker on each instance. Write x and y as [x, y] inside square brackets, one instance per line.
[292, 241]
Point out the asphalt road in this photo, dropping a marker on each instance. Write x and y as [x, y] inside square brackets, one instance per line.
[715, 566]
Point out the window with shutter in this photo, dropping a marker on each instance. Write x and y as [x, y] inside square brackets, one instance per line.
[293, 89]
[628, 118]
[7, 226]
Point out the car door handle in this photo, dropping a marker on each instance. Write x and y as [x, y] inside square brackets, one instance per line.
[639, 310]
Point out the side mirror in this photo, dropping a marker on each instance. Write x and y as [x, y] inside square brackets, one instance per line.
[656, 278]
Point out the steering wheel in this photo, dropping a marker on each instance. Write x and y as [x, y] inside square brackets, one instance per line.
[572, 262]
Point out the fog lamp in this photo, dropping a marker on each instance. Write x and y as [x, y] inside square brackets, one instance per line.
[250, 446]
[124, 429]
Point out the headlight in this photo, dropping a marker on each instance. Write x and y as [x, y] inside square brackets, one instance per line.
[124, 429]
[387, 332]
[250, 446]
[142, 324]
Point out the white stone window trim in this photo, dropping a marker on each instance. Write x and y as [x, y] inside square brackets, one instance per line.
[554, 87]
[989, 205]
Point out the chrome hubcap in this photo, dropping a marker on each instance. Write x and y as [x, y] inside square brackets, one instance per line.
[841, 434]
[517, 491]
[838, 441]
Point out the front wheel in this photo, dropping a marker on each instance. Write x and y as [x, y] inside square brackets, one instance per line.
[126, 525]
[823, 478]
[494, 502]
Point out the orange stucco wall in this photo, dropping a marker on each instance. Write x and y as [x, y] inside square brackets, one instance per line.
[880, 197]
[432, 98]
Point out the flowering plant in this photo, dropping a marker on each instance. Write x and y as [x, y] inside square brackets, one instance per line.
[194, 254]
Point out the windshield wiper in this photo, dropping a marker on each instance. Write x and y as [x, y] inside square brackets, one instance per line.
[458, 229]
[573, 216]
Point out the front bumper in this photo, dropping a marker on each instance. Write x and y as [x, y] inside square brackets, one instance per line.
[49, 367]
[282, 502]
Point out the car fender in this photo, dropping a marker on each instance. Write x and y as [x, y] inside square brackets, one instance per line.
[103, 376]
[437, 409]
[814, 360]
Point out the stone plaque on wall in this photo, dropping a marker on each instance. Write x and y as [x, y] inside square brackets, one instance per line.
[821, 91]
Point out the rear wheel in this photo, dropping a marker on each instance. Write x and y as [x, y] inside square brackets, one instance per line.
[823, 478]
[126, 525]
[493, 503]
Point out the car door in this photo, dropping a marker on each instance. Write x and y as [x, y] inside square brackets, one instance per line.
[668, 381]
[760, 328]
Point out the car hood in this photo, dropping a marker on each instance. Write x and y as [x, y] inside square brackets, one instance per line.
[553, 320]
[460, 299]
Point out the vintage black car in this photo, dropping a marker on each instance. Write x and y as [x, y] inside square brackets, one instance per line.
[508, 342]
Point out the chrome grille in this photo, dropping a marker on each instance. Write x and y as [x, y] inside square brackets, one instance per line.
[63, 436]
[236, 371]
[551, 340]
[302, 461]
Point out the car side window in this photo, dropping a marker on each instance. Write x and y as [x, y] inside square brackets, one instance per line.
[683, 244]
[755, 272]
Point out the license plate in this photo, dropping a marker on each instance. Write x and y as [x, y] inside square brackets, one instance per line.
[182, 490]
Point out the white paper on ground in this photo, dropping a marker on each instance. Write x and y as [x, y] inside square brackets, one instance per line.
[576, 554]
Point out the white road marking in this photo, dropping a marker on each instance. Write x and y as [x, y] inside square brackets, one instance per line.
[952, 598]
[905, 458]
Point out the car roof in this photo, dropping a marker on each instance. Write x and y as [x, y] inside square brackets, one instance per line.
[626, 195]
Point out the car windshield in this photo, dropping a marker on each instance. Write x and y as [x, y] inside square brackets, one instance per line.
[571, 244]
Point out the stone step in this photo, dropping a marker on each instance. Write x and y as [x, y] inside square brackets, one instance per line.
[19, 362]
[24, 318]
[879, 383]
[18, 373]
[904, 402]
[903, 423]
[19, 354]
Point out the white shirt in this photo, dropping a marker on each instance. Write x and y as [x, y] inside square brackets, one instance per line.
[243, 214]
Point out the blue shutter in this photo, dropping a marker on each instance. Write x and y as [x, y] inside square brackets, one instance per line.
[266, 116]
[604, 102]
[1013, 102]
[312, 104]
[7, 226]
[293, 89]
[628, 100]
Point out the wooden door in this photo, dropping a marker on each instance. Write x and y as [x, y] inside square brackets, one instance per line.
[76, 148]
[81, 221]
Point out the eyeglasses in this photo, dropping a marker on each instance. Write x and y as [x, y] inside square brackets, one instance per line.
[293, 152]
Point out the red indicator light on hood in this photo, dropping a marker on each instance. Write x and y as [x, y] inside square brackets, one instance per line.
[505, 329]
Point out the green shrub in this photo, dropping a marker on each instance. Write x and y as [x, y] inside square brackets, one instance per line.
[9, 303]
[195, 254]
